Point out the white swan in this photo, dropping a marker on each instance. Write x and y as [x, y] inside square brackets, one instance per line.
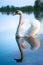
[26, 29]
[26, 32]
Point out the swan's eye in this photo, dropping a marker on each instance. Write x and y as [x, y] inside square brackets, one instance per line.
[16, 11]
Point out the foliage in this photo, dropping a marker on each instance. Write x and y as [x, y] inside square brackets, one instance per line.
[11, 9]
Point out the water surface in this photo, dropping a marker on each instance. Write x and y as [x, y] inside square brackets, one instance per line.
[8, 44]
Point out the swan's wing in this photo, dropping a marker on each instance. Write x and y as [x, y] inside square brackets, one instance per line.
[24, 27]
[34, 29]
[36, 24]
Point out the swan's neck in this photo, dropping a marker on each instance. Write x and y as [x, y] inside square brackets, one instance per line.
[19, 26]
[20, 22]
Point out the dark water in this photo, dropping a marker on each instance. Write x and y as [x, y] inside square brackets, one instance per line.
[8, 46]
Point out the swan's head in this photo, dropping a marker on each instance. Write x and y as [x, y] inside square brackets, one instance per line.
[18, 12]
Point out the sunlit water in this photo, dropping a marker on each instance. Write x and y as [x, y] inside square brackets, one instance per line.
[8, 45]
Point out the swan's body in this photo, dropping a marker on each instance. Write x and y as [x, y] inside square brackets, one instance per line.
[27, 29]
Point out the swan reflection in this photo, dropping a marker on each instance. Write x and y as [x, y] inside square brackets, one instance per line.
[25, 42]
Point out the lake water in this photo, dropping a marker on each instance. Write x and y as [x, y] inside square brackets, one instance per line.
[8, 44]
